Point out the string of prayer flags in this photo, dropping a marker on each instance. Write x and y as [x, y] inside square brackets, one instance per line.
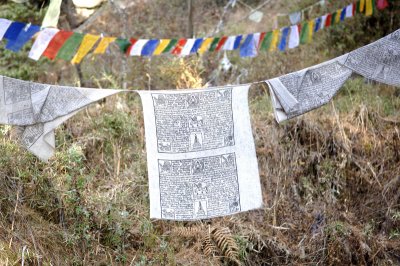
[23, 37]
[74, 46]
[4, 25]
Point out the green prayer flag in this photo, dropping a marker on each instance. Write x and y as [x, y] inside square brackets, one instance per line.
[266, 43]
[304, 33]
[333, 20]
[214, 44]
[171, 45]
[123, 44]
[68, 50]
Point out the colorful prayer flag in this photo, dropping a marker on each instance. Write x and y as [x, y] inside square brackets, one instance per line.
[186, 50]
[13, 31]
[274, 40]
[170, 45]
[123, 44]
[382, 4]
[317, 24]
[250, 45]
[137, 47]
[282, 43]
[161, 46]
[304, 33]
[150, 47]
[103, 45]
[196, 45]
[23, 37]
[369, 9]
[221, 43]
[349, 11]
[266, 42]
[87, 44]
[310, 30]
[179, 46]
[213, 44]
[205, 45]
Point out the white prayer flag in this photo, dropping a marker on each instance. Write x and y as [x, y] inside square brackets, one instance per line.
[136, 49]
[41, 42]
[4, 25]
[229, 44]
[349, 11]
[188, 47]
[300, 92]
[39, 108]
[294, 37]
[200, 153]
[323, 21]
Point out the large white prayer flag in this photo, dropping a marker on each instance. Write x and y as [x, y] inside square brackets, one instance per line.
[200, 153]
[4, 25]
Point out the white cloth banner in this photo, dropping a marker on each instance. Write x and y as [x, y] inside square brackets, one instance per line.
[200, 153]
[4, 25]
[39, 108]
[294, 37]
[41, 42]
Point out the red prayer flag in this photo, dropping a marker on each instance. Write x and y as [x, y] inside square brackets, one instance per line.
[221, 43]
[56, 43]
[382, 4]
[354, 8]
[179, 46]
[328, 20]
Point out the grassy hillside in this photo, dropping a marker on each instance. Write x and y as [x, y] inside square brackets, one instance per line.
[330, 178]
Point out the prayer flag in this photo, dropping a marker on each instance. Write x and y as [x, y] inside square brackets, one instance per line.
[349, 11]
[56, 43]
[4, 25]
[137, 47]
[295, 17]
[68, 50]
[123, 44]
[150, 47]
[382, 4]
[41, 42]
[328, 20]
[213, 44]
[196, 45]
[205, 45]
[266, 42]
[323, 21]
[170, 45]
[13, 31]
[178, 48]
[282, 43]
[161, 46]
[310, 30]
[87, 44]
[275, 39]
[250, 45]
[52, 14]
[361, 6]
[103, 45]
[221, 43]
[294, 39]
[188, 47]
[230, 43]
[343, 14]
[369, 9]
[317, 24]
[23, 37]
[304, 33]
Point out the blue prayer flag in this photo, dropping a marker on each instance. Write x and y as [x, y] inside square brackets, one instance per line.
[14, 30]
[196, 45]
[282, 43]
[149, 48]
[23, 37]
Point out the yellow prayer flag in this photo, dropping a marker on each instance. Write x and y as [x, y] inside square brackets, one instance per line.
[275, 39]
[310, 30]
[161, 46]
[362, 5]
[87, 43]
[369, 10]
[205, 45]
[103, 45]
